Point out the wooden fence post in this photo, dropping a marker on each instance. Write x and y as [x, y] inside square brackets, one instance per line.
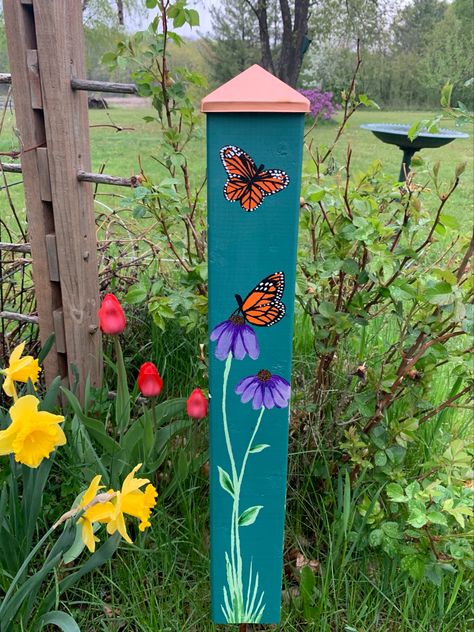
[46, 48]
[254, 151]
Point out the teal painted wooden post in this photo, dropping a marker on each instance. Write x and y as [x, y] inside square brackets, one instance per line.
[254, 152]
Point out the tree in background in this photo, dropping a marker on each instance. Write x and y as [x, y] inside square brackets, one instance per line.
[111, 12]
[413, 26]
[408, 54]
[274, 33]
[234, 46]
[285, 59]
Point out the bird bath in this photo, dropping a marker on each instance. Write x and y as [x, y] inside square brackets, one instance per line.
[395, 134]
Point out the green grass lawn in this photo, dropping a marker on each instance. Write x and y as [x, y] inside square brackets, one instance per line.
[119, 151]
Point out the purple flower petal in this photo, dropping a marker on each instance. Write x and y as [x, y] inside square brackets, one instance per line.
[280, 401]
[281, 385]
[219, 329]
[224, 343]
[250, 341]
[249, 392]
[258, 397]
[242, 385]
[238, 347]
[268, 401]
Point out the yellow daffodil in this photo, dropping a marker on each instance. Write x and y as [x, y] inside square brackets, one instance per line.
[33, 435]
[134, 502]
[100, 512]
[19, 370]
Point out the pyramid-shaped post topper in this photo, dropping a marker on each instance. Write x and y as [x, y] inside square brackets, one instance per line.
[255, 126]
[255, 90]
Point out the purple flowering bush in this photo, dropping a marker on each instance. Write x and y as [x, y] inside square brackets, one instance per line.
[320, 103]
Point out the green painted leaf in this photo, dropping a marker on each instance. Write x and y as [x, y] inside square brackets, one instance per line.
[258, 448]
[225, 481]
[248, 516]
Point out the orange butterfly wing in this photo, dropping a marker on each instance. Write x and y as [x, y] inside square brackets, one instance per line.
[246, 183]
[262, 306]
[236, 189]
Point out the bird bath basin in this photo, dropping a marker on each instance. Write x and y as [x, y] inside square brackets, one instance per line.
[395, 134]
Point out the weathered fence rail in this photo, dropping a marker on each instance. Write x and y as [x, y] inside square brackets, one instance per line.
[46, 51]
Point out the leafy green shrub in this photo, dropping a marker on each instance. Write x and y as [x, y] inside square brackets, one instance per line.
[384, 279]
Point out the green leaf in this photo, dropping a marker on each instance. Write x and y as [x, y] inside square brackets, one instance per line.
[364, 99]
[46, 348]
[445, 97]
[62, 620]
[375, 538]
[307, 584]
[395, 492]
[414, 565]
[101, 555]
[122, 400]
[248, 516]
[380, 458]
[77, 546]
[258, 448]
[327, 309]
[417, 517]
[440, 294]
[95, 428]
[436, 517]
[136, 294]
[225, 481]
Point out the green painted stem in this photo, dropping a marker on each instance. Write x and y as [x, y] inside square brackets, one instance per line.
[237, 598]
[237, 496]
[244, 462]
[233, 532]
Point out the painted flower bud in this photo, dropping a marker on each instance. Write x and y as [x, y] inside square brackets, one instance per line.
[150, 382]
[111, 316]
[197, 405]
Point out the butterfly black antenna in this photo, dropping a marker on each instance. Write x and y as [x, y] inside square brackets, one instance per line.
[240, 302]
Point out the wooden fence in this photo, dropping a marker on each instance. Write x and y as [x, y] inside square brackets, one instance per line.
[46, 51]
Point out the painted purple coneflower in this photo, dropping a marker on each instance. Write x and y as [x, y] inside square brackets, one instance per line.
[264, 389]
[236, 337]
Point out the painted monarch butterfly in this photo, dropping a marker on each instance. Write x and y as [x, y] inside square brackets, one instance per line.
[263, 306]
[248, 183]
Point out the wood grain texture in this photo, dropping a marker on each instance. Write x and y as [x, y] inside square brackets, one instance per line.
[33, 75]
[60, 45]
[20, 33]
[43, 170]
[52, 259]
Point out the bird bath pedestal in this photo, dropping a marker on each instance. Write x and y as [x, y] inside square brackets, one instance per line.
[395, 134]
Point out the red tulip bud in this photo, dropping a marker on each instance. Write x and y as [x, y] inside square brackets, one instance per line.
[111, 317]
[149, 380]
[196, 405]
